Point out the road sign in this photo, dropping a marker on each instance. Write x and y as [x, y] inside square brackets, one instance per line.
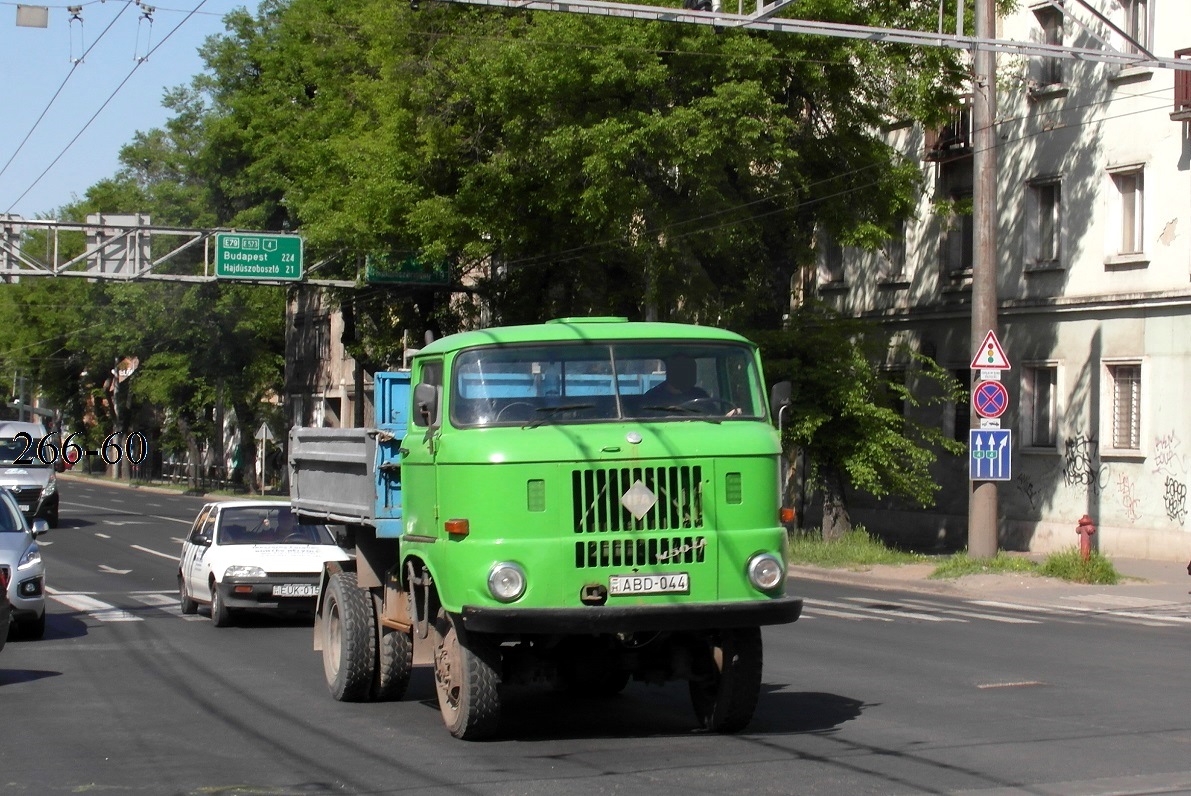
[252, 255]
[990, 454]
[990, 399]
[990, 355]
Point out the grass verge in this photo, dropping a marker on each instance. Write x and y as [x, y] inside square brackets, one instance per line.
[858, 548]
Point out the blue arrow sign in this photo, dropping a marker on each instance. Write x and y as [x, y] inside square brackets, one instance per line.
[990, 458]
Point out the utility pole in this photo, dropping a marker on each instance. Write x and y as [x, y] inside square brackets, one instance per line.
[983, 512]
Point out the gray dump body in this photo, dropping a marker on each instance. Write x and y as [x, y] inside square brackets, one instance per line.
[331, 474]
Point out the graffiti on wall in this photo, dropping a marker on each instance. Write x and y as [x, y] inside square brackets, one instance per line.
[1127, 494]
[1081, 464]
[1170, 461]
[1029, 489]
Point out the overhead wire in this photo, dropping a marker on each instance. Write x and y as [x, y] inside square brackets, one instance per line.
[106, 102]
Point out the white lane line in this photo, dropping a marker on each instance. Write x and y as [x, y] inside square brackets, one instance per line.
[170, 556]
[50, 590]
[96, 609]
[167, 603]
[102, 535]
[1012, 620]
[817, 611]
[892, 611]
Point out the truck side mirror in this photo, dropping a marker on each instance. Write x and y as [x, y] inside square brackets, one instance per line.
[426, 405]
[780, 396]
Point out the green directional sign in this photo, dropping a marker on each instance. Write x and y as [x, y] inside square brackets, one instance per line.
[254, 255]
[404, 269]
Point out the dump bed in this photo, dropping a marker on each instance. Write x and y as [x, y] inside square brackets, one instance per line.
[353, 475]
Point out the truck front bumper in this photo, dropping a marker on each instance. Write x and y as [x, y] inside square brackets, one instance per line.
[631, 618]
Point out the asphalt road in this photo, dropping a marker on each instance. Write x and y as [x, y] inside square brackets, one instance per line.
[871, 692]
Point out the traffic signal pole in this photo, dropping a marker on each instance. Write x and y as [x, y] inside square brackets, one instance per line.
[982, 503]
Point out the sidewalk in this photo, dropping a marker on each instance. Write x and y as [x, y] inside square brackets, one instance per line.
[1145, 585]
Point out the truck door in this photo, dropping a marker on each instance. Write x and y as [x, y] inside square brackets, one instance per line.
[419, 492]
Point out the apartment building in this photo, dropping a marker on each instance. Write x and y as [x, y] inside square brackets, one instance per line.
[1093, 274]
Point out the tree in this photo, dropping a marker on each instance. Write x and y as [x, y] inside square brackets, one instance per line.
[857, 426]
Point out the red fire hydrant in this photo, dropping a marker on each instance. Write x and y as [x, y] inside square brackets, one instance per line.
[1085, 531]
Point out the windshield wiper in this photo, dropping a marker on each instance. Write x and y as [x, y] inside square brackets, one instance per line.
[686, 410]
[549, 412]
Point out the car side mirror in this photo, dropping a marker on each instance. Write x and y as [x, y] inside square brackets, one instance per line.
[39, 527]
[202, 540]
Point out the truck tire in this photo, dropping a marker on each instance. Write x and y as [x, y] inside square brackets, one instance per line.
[728, 682]
[395, 662]
[349, 639]
[467, 679]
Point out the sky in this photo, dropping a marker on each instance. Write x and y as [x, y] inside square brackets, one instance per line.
[84, 102]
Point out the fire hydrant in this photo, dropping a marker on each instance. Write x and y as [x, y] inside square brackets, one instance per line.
[1085, 531]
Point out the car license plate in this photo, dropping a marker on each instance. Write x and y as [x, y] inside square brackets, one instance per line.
[25, 507]
[295, 590]
[669, 583]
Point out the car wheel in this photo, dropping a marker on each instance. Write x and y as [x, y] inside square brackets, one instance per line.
[221, 615]
[185, 602]
[31, 630]
[51, 518]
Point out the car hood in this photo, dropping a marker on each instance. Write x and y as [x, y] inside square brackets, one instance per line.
[13, 475]
[278, 557]
[13, 545]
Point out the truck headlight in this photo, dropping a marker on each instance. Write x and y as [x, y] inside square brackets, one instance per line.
[32, 556]
[765, 571]
[506, 581]
[242, 571]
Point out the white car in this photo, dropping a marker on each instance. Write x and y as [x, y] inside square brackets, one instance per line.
[22, 572]
[252, 554]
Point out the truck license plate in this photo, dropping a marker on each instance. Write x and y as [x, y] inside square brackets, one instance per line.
[295, 590]
[669, 583]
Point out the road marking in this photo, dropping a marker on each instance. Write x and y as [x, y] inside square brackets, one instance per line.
[1011, 620]
[1021, 684]
[818, 611]
[887, 614]
[894, 609]
[102, 535]
[166, 603]
[170, 556]
[113, 571]
[96, 609]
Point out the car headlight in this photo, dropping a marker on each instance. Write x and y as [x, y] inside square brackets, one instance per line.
[765, 571]
[506, 581]
[242, 571]
[31, 557]
[50, 488]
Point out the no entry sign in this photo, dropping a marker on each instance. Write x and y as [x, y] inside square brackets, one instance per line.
[990, 399]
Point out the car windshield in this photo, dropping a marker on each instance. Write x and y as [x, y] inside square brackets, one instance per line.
[600, 382]
[12, 449]
[10, 518]
[267, 525]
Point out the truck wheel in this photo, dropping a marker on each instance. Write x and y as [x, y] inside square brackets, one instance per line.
[349, 639]
[467, 678]
[728, 679]
[395, 662]
[221, 615]
[187, 605]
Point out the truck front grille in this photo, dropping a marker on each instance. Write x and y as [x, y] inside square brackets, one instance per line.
[649, 551]
[597, 494]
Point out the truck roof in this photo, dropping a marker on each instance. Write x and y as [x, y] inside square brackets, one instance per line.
[579, 329]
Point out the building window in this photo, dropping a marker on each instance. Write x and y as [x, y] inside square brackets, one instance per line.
[892, 263]
[1129, 211]
[1049, 71]
[1125, 381]
[1044, 224]
[1137, 24]
[831, 264]
[1040, 390]
[958, 237]
[960, 416]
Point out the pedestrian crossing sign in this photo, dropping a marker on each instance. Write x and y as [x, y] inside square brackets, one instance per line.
[990, 454]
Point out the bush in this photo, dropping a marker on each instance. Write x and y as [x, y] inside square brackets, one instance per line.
[1069, 565]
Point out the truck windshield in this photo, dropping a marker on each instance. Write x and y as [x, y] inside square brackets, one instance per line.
[585, 382]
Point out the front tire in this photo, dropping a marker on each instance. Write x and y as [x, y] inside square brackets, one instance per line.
[728, 682]
[467, 679]
[349, 639]
[221, 615]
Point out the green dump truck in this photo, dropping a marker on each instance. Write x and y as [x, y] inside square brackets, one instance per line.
[580, 503]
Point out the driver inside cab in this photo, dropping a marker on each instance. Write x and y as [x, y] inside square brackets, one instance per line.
[679, 386]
